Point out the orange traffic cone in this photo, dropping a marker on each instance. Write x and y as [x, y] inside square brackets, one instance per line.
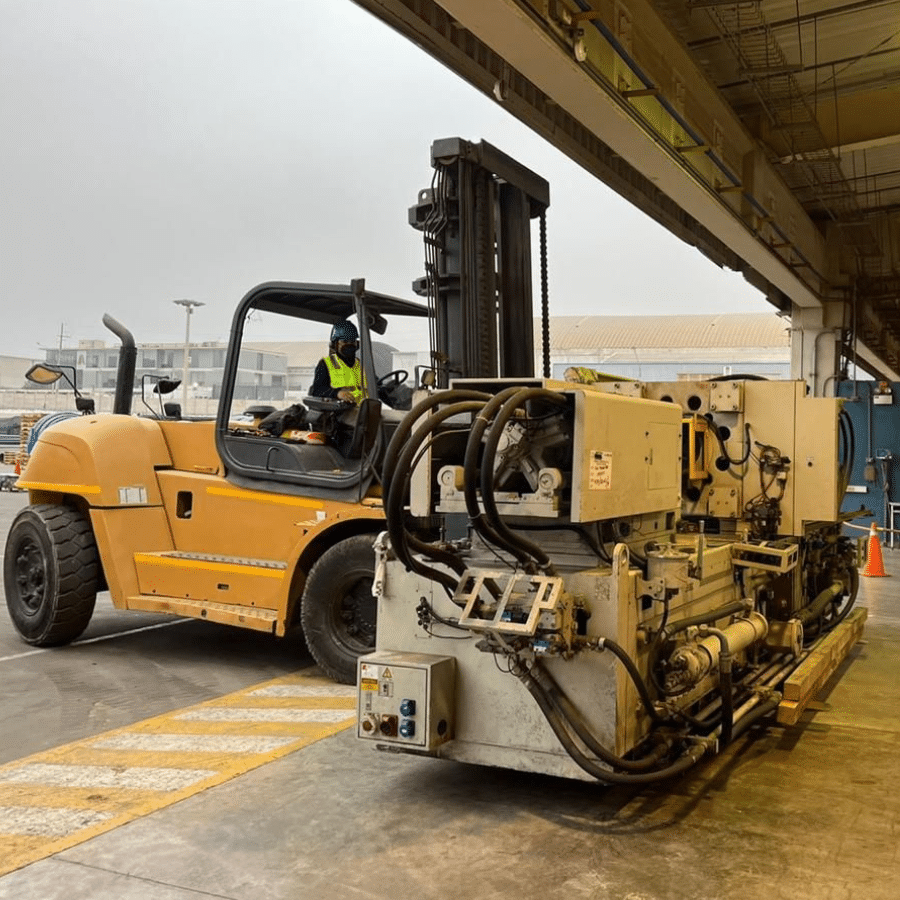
[874, 563]
[18, 469]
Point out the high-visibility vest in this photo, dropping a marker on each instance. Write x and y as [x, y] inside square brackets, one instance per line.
[346, 377]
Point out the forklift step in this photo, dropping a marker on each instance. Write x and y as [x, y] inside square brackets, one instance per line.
[251, 617]
[232, 589]
[186, 558]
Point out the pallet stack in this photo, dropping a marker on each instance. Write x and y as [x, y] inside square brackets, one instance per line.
[28, 421]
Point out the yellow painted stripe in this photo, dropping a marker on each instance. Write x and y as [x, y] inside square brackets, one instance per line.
[104, 781]
[57, 486]
[260, 497]
[206, 566]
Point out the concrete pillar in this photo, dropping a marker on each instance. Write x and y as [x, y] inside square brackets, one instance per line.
[816, 346]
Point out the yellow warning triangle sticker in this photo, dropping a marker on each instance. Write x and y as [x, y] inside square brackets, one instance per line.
[387, 673]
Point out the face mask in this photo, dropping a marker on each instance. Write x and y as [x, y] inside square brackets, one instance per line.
[348, 355]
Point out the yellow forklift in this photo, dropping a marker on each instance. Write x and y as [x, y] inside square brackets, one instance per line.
[265, 518]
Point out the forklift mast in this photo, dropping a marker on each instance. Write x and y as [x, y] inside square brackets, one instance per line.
[476, 222]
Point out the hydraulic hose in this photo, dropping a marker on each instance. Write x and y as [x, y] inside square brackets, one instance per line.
[819, 604]
[470, 474]
[404, 429]
[567, 710]
[403, 542]
[509, 538]
[592, 767]
[724, 449]
[754, 715]
[713, 615]
[726, 690]
[854, 590]
[619, 652]
[727, 695]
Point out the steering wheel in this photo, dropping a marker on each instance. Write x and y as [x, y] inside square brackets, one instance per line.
[398, 376]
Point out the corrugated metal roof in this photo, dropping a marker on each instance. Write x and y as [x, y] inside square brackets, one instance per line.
[738, 330]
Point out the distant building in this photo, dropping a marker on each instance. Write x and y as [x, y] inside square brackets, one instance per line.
[263, 374]
[268, 370]
[671, 348]
[12, 372]
[646, 348]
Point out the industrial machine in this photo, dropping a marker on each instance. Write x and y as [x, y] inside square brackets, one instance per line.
[644, 571]
[622, 576]
[265, 518]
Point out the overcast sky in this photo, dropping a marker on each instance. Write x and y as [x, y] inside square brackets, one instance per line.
[153, 150]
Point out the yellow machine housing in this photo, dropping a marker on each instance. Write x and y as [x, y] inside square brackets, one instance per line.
[616, 610]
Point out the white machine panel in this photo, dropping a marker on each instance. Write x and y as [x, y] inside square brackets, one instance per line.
[406, 699]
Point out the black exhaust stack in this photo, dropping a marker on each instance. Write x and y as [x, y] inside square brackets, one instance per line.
[127, 364]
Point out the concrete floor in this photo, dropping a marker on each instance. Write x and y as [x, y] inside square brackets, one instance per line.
[812, 812]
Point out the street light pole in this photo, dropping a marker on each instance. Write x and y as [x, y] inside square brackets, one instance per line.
[188, 308]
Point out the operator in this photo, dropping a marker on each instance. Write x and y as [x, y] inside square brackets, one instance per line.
[339, 374]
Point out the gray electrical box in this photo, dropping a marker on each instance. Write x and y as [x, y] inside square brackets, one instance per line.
[406, 699]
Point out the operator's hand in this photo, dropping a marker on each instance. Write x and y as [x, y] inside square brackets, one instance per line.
[346, 394]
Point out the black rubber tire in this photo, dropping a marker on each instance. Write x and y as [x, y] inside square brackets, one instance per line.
[51, 571]
[338, 611]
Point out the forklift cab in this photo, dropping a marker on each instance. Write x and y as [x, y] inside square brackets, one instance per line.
[315, 445]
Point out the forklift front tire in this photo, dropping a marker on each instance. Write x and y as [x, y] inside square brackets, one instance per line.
[338, 610]
[51, 572]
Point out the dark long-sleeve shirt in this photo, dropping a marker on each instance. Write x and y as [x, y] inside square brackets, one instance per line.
[321, 386]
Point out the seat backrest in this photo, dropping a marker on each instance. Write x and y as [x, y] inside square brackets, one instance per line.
[368, 417]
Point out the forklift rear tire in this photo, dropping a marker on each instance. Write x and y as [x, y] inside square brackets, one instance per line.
[338, 610]
[51, 571]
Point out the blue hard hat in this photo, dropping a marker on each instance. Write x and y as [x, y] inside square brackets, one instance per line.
[344, 331]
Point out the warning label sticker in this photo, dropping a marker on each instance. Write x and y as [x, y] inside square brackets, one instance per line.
[368, 684]
[600, 470]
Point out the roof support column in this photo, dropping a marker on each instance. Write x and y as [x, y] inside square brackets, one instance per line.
[816, 346]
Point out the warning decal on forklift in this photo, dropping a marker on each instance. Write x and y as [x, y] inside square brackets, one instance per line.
[368, 677]
[600, 471]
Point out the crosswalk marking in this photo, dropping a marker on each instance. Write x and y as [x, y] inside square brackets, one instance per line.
[60, 797]
[303, 690]
[194, 743]
[142, 778]
[257, 714]
[47, 821]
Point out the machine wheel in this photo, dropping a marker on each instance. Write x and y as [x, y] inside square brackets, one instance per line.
[338, 610]
[51, 571]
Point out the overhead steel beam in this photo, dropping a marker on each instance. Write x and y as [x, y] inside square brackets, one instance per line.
[551, 77]
[504, 49]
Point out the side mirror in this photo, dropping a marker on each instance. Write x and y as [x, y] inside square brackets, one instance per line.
[166, 385]
[49, 373]
[161, 386]
[44, 373]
